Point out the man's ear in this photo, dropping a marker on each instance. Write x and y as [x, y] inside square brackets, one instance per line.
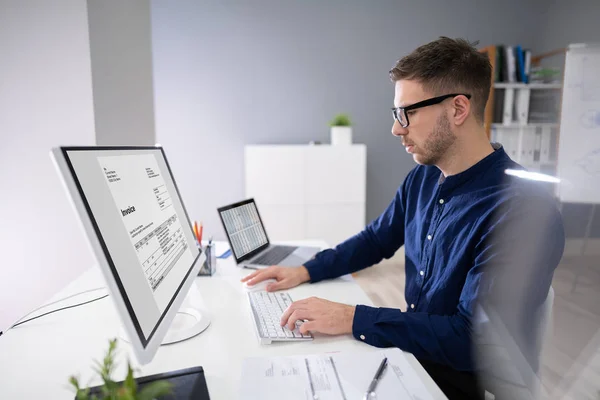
[461, 107]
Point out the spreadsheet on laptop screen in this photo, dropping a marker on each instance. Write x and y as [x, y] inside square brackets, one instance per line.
[244, 228]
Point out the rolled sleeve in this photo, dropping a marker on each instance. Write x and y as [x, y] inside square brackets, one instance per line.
[316, 268]
[364, 325]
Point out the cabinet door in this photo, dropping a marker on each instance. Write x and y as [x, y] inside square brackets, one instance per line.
[334, 223]
[283, 222]
[336, 174]
[275, 174]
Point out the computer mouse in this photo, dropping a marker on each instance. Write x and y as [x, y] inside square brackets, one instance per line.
[259, 286]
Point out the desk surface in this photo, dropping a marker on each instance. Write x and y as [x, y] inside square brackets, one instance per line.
[39, 356]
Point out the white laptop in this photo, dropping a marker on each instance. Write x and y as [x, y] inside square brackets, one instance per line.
[250, 244]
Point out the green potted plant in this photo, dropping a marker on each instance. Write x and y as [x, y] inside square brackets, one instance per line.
[111, 390]
[341, 130]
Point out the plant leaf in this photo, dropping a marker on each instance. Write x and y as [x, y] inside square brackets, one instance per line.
[74, 382]
[155, 390]
[129, 382]
[341, 120]
[80, 394]
[124, 393]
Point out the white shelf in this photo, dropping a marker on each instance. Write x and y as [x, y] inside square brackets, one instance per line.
[516, 125]
[520, 85]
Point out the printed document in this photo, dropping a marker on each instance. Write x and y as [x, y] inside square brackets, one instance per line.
[335, 376]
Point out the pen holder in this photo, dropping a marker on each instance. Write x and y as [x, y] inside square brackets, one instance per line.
[210, 265]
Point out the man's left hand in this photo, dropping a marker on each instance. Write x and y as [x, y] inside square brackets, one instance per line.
[320, 315]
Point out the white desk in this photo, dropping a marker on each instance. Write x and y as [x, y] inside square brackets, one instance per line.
[38, 357]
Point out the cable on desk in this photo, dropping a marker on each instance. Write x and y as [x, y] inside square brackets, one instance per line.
[60, 300]
[59, 309]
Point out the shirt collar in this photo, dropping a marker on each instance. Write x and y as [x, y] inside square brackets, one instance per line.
[453, 181]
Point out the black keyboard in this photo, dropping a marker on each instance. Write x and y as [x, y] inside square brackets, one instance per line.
[274, 255]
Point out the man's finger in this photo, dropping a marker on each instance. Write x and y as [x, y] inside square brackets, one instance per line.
[283, 284]
[268, 273]
[308, 326]
[250, 276]
[286, 314]
[298, 315]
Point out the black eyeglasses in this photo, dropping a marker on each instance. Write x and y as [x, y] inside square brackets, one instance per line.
[400, 113]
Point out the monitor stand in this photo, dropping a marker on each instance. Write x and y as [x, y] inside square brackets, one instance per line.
[188, 322]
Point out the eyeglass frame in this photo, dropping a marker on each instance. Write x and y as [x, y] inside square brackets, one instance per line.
[420, 104]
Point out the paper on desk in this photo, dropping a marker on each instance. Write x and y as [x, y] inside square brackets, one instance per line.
[287, 377]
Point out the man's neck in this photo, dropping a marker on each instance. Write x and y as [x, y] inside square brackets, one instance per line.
[464, 155]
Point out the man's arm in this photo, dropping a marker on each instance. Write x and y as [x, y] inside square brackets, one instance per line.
[513, 267]
[380, 239]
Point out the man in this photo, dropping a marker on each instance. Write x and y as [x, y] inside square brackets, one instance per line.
[469, 229]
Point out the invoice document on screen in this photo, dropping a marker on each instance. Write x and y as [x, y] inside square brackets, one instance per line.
[151, 220]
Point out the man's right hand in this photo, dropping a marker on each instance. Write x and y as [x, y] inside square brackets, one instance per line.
[287, 277]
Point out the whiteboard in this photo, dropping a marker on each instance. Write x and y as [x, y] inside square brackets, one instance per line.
[579, 142]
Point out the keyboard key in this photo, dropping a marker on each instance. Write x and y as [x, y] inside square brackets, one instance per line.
[267, 309]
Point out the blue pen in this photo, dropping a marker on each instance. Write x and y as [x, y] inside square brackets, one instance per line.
[225, 254]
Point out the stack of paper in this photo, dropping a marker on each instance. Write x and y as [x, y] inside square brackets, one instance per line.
[335, 376]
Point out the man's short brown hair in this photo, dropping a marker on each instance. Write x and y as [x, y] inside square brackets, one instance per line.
[449, 66]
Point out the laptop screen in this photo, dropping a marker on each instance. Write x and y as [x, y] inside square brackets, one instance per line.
[244, 228]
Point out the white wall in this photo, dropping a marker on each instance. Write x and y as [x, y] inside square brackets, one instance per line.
[45, 100]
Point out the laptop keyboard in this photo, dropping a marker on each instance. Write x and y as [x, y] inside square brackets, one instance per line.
[274, 255]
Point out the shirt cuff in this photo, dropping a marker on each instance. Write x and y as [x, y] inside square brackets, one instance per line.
[315, 270]
[363, 325]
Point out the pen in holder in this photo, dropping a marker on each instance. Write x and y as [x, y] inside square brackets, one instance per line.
[210, 265]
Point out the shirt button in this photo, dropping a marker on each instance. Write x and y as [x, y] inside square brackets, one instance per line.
[422, 273]
[412, 306]
[428, 237]
[362, 337]
[441, 201]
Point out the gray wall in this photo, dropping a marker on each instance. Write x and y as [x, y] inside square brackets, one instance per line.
[234, 73]
[564, 22]
[121, 54]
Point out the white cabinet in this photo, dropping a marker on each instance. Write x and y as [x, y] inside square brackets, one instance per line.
[308, 192]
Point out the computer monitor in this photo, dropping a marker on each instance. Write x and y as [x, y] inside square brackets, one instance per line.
[141, 235]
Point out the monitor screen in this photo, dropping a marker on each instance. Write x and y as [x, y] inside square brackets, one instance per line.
[142, 226]
[244, 228]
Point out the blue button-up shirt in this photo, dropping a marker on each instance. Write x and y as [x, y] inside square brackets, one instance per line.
[480, 232]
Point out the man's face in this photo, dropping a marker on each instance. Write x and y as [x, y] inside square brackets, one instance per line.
[429, 133]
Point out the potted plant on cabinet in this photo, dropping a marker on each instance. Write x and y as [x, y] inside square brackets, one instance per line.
[341, 130]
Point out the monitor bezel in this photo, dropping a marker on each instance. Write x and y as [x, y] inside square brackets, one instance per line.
[144, 348]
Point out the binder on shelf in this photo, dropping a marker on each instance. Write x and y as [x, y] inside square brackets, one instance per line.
[498, 106]
[520, 64]
[527, 65]
[509, 138]
[500, 69]
[528, 146]
[538, 146]
[507, 113]
[522, 105]
[510, 64]
[545, 143]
